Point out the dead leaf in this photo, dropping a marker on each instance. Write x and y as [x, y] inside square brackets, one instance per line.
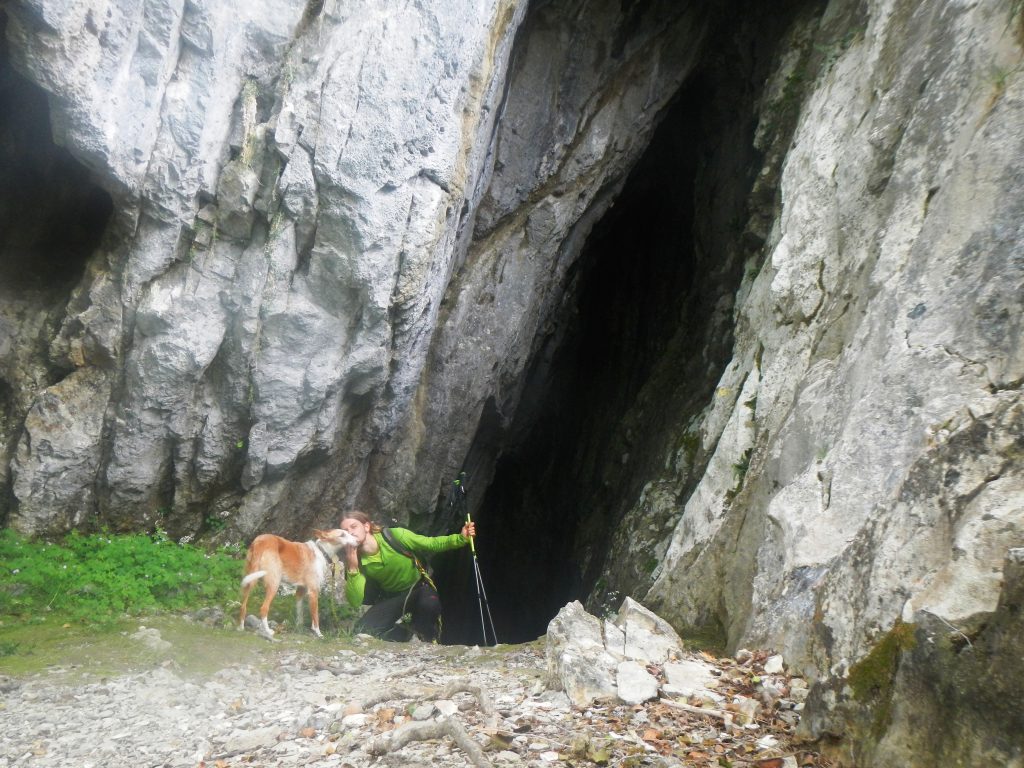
[651, 734]
[307, 733]
[771, 762]
[663, 747]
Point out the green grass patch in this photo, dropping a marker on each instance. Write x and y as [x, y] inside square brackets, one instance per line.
[99, 577]
[86, 651]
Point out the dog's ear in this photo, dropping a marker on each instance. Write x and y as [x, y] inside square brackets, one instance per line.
[320, 534]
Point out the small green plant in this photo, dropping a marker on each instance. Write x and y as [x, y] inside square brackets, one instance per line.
[8, 648]
[104, 576]
[214, 524]
[739, 471]
[999, 77]
[607, 602]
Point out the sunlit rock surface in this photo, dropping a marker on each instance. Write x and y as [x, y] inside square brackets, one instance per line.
[333, 252]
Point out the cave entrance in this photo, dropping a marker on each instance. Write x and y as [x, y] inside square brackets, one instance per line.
[51, 214]
[638, 281]
[52, 217]
[648, 335]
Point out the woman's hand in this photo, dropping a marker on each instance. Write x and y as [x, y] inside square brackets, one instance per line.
[469, 530]
[351, 559]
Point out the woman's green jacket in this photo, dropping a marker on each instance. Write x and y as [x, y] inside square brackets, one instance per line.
[391, 570]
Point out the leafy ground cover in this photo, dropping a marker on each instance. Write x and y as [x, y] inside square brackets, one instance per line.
[99, 577]
[82, 598]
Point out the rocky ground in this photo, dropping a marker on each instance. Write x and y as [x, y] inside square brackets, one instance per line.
[226, 699]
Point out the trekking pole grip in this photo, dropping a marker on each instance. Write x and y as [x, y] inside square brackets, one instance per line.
[460, 489]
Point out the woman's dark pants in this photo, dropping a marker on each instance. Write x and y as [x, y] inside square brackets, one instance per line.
[422, 602]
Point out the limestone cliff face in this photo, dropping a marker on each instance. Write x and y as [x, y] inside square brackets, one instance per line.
[864, 444]
[290, 311]
[725, 299]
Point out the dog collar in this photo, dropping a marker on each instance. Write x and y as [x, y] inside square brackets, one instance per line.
[331, 555]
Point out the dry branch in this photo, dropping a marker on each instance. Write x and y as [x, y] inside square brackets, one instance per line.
[696, 710]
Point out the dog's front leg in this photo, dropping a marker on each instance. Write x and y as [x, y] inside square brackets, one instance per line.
[314, 609]
[300, 593]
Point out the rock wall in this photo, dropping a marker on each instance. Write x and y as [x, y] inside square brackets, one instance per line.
[325, 258]
[334, 255]
[865, 442]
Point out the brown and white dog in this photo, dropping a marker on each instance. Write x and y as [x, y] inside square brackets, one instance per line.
[302, 563]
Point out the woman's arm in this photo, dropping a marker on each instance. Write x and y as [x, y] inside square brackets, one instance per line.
[355, 581]
[355, 588]
[418, 543]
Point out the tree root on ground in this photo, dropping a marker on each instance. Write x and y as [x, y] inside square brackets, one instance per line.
[465, 686]
[432, 729]
[456, 686]
[425, 731]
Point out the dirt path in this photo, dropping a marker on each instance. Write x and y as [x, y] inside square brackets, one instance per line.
[173, 693]
[178, 693]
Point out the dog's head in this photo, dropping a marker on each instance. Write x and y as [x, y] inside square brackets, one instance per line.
[336, 538]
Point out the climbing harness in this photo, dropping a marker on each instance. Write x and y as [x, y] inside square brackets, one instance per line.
[457, 502]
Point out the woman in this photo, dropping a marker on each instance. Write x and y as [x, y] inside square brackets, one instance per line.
[404, 584]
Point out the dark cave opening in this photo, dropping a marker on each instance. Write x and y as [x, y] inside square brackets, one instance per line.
[636, 276]
[52, 217]
[646, 339]
[51, 213]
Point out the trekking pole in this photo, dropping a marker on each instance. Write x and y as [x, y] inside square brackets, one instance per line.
[481, 593]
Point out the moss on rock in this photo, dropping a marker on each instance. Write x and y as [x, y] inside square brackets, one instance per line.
[873, 678]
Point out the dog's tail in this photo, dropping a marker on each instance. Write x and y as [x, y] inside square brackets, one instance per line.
[254, 576]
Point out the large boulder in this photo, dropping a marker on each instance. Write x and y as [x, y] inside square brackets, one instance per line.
[592, 661]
